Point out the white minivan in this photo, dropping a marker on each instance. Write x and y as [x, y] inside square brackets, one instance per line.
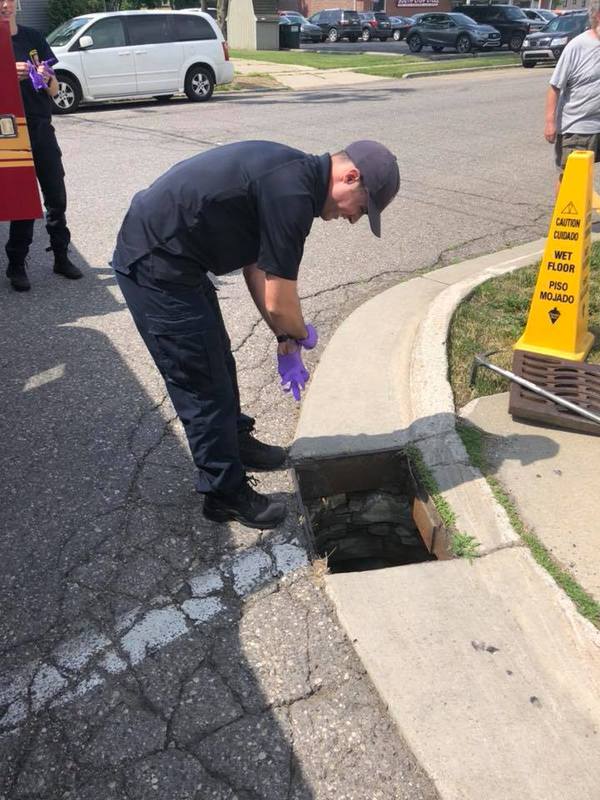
[137, 54]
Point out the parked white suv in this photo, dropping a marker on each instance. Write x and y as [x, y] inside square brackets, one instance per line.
[136, 54]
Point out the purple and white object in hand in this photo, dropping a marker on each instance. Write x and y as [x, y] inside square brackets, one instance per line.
[36, 78]
[311, 339]
[292, 372]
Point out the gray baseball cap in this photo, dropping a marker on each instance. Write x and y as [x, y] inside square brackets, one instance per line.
[380, 176]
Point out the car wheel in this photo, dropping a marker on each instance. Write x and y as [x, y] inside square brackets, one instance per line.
[163, 98]
[515, 42]
[396, 36]
[199, 83]
[463, 44]
[69, 94]
[366, 35]
[436, 48]
[415, 44]
[333, 35]
[529, 64]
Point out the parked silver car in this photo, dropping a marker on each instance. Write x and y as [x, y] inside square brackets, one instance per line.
[453, 30]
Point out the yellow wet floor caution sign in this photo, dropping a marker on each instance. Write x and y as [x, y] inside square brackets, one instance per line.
[557, 324]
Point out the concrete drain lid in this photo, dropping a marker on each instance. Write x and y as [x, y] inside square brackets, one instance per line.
[368, 512]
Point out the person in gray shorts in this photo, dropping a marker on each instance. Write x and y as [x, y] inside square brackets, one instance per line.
[573, 98]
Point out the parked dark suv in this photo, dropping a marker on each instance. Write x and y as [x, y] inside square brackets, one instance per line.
[338, 23]
[456, 31]
[375, 25]
[509, 20]
[546, 46]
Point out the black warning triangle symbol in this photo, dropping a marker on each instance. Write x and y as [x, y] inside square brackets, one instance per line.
[570, 210]
[554, 314]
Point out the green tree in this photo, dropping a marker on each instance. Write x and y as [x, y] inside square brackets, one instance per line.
[61, 10]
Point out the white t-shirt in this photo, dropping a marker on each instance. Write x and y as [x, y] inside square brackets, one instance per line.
[577, 75]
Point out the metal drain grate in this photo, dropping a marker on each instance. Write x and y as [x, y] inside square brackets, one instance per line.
[572, 380]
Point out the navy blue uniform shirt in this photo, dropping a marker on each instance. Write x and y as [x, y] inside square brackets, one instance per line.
[239, 204]
[29, 45]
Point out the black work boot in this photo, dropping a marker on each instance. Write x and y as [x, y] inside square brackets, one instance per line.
[258, 456]
[17, 275]
[65, 267]
[246, 506]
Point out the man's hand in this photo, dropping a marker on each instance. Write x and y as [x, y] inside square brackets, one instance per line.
[22, 70]
[42, 75]
[550, 132]
[292, 372]
[311, 339]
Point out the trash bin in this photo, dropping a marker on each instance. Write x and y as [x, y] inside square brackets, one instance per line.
[289, 35]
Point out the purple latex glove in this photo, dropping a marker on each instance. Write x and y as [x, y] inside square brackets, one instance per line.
[311, 339]
[292, 372]
[34, 76]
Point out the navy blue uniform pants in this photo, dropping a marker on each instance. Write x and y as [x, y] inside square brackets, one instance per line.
[51, 176]
[183, 329]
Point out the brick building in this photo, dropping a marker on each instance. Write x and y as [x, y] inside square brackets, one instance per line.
[407, 8]
[403, 8]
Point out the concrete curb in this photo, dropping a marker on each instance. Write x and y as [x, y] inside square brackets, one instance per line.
[427, 73]
[523, 719]
[461, 484]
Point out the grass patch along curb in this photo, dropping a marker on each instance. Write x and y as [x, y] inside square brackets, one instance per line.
[462, 545]
[505, 300]
[418, 68]
[375, 65]
[325, 61]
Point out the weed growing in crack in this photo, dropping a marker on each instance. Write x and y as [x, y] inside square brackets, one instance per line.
[462, 545]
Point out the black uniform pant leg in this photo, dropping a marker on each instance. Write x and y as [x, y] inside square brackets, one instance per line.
[186, 339]
[47, 158]
[20, 236]
[245, 422]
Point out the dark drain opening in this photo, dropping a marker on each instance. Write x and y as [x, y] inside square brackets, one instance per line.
[369, 511]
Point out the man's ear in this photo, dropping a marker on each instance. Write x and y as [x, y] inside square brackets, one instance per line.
[352, 175]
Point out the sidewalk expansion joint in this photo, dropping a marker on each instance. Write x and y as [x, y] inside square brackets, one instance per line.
[518, 544]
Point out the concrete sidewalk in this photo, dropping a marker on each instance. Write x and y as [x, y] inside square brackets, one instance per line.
[552, 478]
[490, 673]
[294, 76]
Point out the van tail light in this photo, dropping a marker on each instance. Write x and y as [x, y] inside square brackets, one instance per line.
[225, 50]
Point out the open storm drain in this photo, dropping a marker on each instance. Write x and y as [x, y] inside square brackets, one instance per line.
[368, 512]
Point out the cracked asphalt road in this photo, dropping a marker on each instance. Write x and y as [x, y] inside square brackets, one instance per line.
[147, 652]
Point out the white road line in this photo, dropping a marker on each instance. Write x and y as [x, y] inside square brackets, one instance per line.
[38, 684]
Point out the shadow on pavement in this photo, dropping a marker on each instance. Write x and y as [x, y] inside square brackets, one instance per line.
[133, 633]
[258, 97]
[317, 97]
